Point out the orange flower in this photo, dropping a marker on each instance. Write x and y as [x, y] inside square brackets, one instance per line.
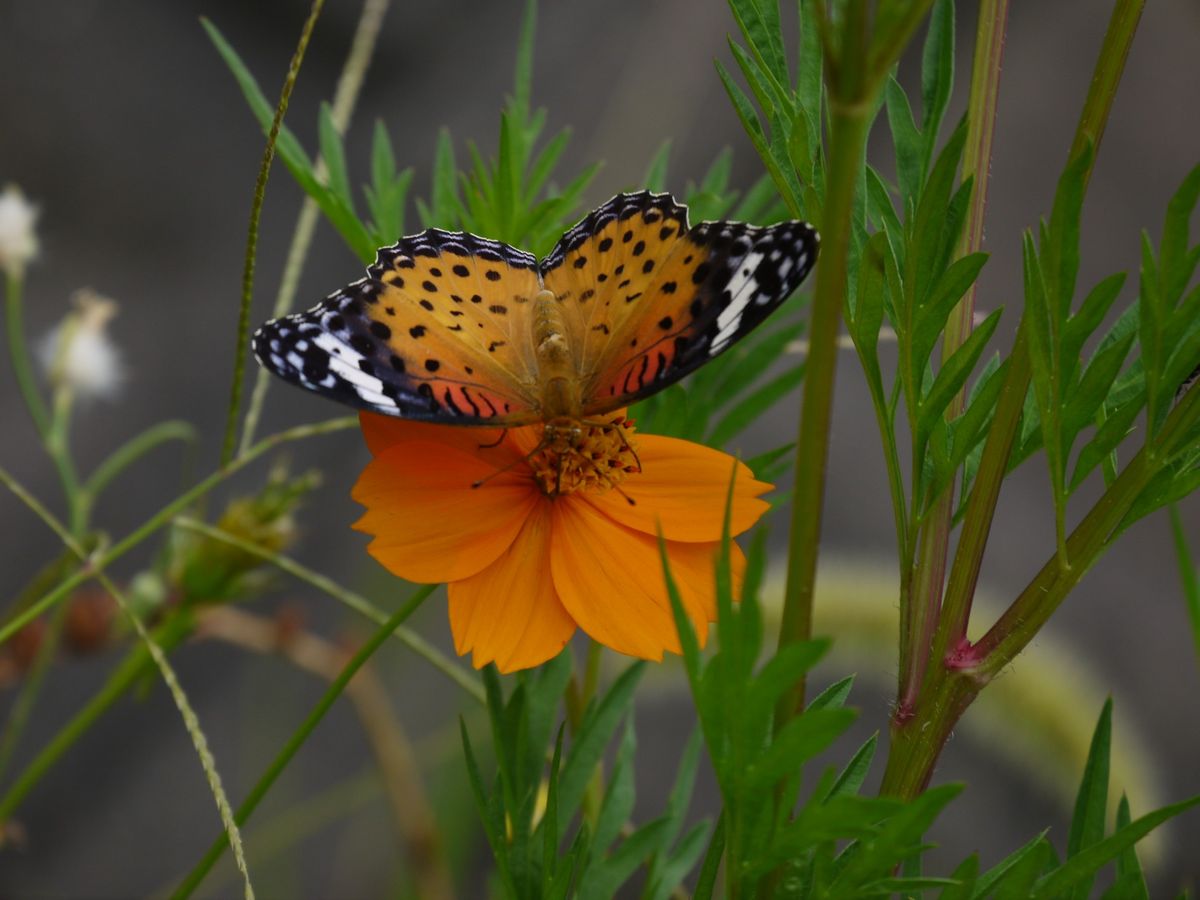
[552, 541]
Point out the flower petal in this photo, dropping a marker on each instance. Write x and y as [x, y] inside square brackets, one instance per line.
[383, 432]
[684, 486]
[428, 522]
[610, 580]
[509, 613]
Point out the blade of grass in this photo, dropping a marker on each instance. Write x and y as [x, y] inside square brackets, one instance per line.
[264, 783]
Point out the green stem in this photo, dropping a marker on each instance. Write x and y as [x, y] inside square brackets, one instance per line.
[268, 778]
[928, 582]
[848, 137]
[19, 354]
[356, 602]
[260, 191]
[97, 562]
[1110, 66]
[1188, 575]
[344, 98]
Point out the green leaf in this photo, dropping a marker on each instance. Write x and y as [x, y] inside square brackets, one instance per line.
[1086, 398]
[759, 24]
[834, 696]
[1091, 802]
[750, 408]
[655, 178]
[1189, 575]
[1017, 861]
[1177, 262]
[681, 861]
[523, 76]
[1060, 253]
[1129, 870]
[801, 739]
[617, 805]
[906, 139]
[937, 73]
[1018, 881]
[603, 879]
[965, 876]
[931, 317]
[443, 199]
[1091, 313]
[938, 220]
[334, 157]
[598, 726]
[707, 879]
[543, 165]
[549, 823]
[779, 675]
[953, 375]
[850, 779]
[491, 814]
[1082, 867]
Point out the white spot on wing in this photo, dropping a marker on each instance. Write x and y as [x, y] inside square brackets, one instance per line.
[742, 288]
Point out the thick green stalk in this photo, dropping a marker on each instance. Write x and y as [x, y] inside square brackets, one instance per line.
[268, 778]
[925, 596]
[98, 561]
[260, 192]
[848, 136]
[918, 737]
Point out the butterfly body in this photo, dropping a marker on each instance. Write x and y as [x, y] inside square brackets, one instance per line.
[452, 328]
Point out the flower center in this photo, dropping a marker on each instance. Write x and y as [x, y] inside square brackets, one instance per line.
[581, 456]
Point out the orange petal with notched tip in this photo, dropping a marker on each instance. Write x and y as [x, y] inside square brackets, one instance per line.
[610, 580]
[428, 522]
[682, 489]
[509, 613]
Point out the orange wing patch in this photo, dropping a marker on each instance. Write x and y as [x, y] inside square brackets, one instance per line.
[439, 331]
[655, 299]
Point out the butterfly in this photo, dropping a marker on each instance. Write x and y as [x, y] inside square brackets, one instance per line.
[457, 329]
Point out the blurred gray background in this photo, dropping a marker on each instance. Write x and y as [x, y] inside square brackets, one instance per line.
[120, 122]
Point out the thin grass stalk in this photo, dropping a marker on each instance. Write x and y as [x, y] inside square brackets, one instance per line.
[268, 778]
[351, 599]
[260, 192]
[186, 712]
[345, 97]
[98, 561]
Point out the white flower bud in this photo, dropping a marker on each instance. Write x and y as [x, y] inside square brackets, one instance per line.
[78, 353]
[18, 240]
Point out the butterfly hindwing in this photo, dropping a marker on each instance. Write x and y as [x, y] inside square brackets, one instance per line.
[655, 299]
[438, 331]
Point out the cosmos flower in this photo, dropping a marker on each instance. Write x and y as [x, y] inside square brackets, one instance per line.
[550, 542]
[18, 240]
[78, 353]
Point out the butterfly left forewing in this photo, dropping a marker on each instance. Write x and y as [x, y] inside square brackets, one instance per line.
[438, 332]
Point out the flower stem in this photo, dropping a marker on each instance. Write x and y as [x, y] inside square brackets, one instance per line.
[260, 191]
[97, 562]
[956, 674]
[927, 582]
[264, 783]
[19, 354]
[344, 99]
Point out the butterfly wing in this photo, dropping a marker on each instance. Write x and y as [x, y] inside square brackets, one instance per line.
[653, 299]
[438, 331]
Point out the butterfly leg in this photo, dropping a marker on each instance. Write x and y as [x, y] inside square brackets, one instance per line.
[615, 425]
[496, 442]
